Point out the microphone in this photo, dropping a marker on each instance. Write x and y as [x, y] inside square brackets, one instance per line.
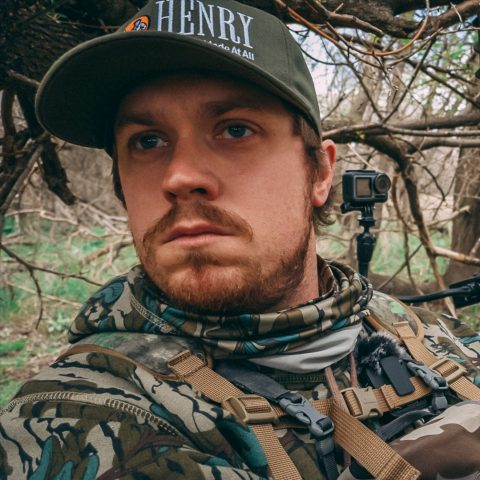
[379, 361]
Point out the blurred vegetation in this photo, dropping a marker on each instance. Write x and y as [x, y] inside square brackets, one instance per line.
[29, 343]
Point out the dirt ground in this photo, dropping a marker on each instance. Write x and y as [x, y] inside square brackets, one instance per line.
[40, 349]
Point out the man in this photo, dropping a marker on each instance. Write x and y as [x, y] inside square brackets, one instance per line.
[223, 219]
[210, 115]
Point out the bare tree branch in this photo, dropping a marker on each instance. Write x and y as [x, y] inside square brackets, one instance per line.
[46, 297]
[456, 14]
[31, 272]
[22, 78]
[446, 83]
[402, 266]
[445, 142]
[458, 257]
[410, 83]
[33, 267]
[413, 128]
[15, 185]
[345, 20]
[9, 130]
[112, 250]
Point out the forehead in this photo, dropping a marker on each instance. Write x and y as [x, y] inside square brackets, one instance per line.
[214, 93]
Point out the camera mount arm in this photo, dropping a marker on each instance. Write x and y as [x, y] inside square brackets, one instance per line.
[365, 240]
[463, 293]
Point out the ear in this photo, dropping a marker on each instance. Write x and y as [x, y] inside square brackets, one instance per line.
[324, 179]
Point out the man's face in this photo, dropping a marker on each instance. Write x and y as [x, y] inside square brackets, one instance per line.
[218, 194]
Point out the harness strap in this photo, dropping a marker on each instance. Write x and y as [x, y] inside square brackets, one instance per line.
[452, 371]
[362, 403]
[295, 405]
[370, 402]
[250, 409]
[354, 437]
[369, 449]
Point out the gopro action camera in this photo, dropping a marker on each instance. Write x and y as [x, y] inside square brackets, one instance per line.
[363, 188]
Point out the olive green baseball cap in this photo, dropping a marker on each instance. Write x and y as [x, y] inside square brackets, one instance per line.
[79, 95]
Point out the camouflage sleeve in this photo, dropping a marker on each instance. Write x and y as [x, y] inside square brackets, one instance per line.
[93, 417]
[446, 336]
[72, 440]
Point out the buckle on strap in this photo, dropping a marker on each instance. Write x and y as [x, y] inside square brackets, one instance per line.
[297, 406]
[449, 369]
[320, 426]
[361, 402]
[250, 409]
[429, 376]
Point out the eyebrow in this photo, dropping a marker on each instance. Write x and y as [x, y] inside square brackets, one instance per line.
[134, 118]
[220, 107]
[214, 109]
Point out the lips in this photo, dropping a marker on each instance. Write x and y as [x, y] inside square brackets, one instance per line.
[194, 231]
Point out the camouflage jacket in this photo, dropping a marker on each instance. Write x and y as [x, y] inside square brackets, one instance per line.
[97, 415]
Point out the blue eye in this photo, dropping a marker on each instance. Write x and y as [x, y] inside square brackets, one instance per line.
[237, 131]
[149, 141]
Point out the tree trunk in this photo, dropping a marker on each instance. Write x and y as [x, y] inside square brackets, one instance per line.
[466, 227]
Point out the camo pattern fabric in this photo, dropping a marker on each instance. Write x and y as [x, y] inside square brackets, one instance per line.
[91, 415]
[98, 415]
[237, 336]
[444, 336]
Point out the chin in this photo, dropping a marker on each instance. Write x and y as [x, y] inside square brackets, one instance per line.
[228, 282]
[209, 289]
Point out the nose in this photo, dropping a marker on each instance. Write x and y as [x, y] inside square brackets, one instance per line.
[190, 172]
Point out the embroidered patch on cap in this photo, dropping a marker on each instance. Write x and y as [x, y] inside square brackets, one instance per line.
[140, 23]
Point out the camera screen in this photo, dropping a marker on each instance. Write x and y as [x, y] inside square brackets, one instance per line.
[362, 187]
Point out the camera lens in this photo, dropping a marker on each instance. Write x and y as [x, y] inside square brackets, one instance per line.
[382, 183]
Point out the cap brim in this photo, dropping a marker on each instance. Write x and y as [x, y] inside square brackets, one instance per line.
[81, 91]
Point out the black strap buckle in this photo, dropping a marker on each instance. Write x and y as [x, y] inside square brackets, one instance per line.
[434, 380]
[429, 376]
[299, 407]
[320, 426]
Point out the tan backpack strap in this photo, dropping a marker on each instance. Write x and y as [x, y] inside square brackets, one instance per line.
[369, 449]
[371, 402]
[362, 403]
[364, 445]
[380, 326]
[250, 409]
[361, 443]
[452, 371]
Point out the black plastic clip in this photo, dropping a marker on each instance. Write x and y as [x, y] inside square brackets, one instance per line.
[320, 426]
[430, 377]
[434, 380]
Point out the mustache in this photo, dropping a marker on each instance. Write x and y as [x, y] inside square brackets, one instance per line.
[231, 222]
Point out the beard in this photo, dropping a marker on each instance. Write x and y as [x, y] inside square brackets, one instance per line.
[224, 285]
